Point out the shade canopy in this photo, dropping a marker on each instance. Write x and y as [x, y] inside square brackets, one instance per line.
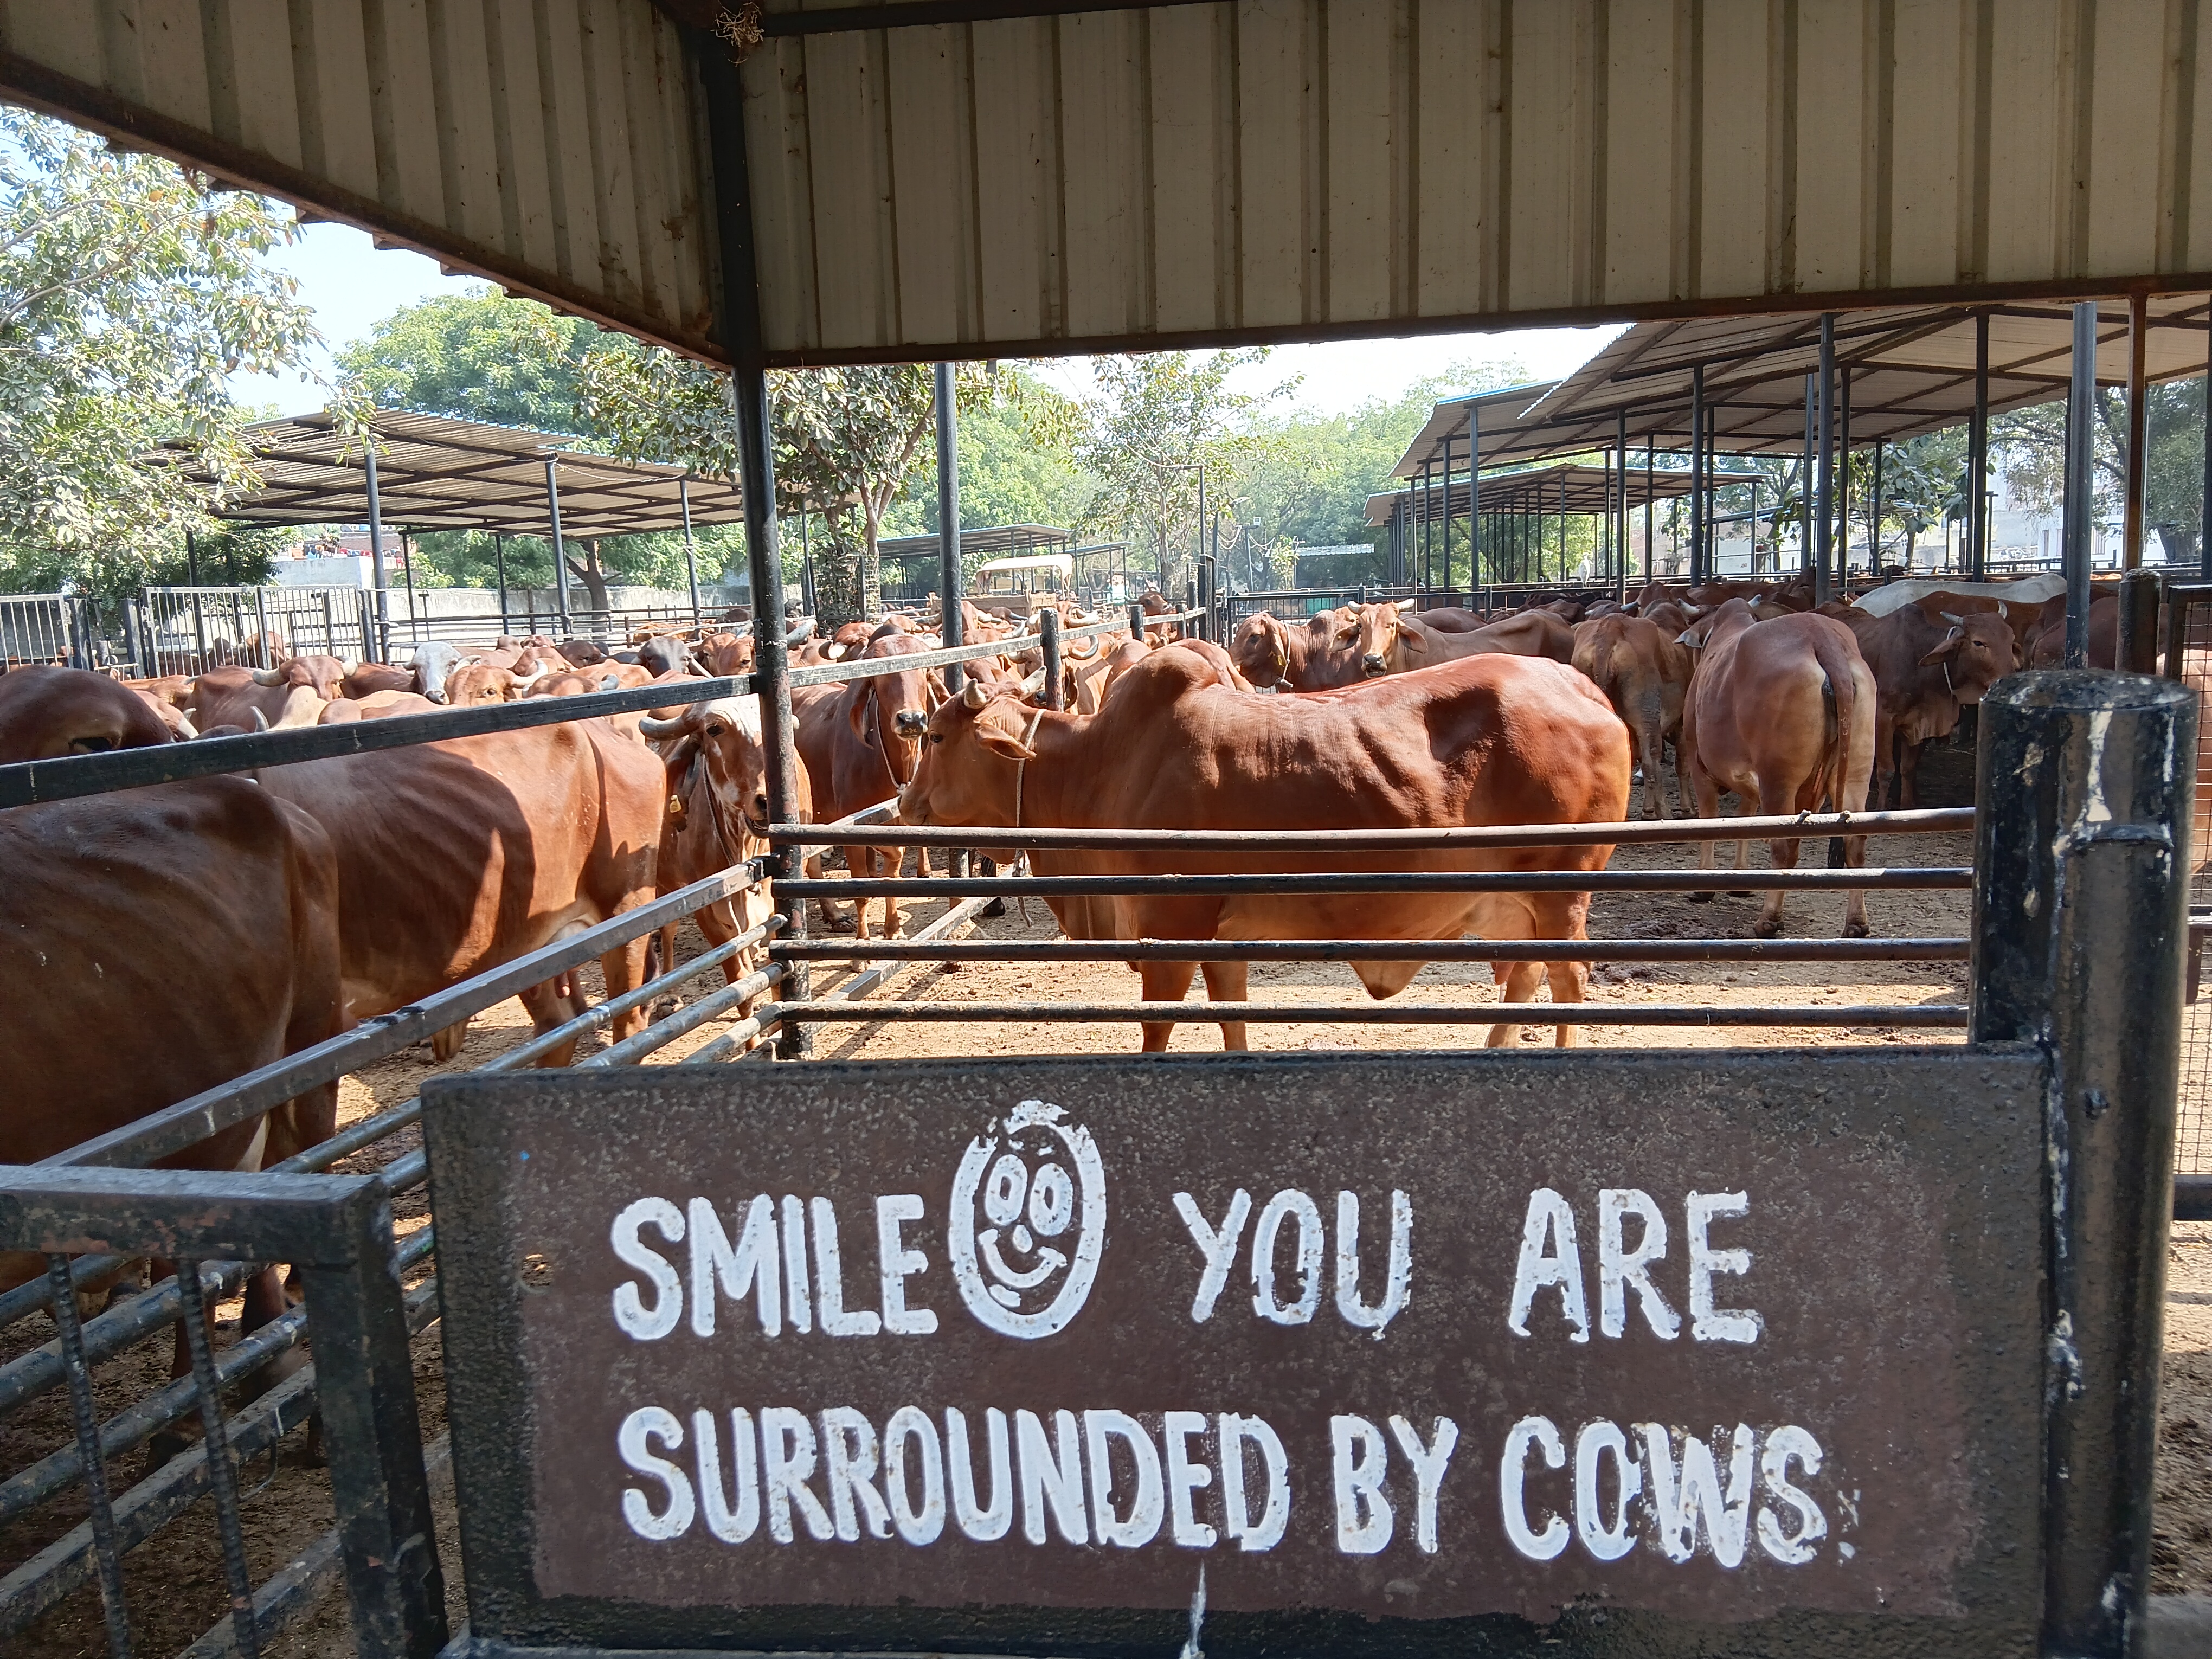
[988, 538]
[1905, 371]
[434, 473]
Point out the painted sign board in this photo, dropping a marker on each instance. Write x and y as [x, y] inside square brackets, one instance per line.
[1719, 1353]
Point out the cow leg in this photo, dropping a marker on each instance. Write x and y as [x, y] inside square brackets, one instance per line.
[1908, 776]
[549, 1005]
[1226, 981]
[1652, 747]
[859, 865]
[833, 919]
[1569, 980]
[1784, 856]
[445, 1044]
[667, 1002]
[624, 969]
[1521, 981]
[1162, 981]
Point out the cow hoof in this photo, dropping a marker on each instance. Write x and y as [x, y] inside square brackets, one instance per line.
[662, 1009]
[1765, 929]
[997, 906]
[164, 1449]
[1856, 930]
[840, 924]
[1740, 892]
[1701, 898]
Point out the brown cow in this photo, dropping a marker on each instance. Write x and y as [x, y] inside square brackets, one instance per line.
[1781, 713]
[47, 713]
[1926, 663]
[1273, 653]
[1392, 642]
[1646, 674]
[725, 656]
[233, 697]
[716, 761]
[372, 677]
[1494, 740]
[2046, 647]
[458, 855]
[376, 706]
[323, 674]
[157, 943]
[861, 739]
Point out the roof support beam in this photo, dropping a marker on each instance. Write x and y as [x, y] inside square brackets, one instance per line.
[929, 14]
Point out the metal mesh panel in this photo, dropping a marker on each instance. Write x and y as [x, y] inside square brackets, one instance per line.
[2189, 659]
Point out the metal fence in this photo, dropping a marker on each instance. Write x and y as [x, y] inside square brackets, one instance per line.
[47, 628]
[185, 630]
[2188, 658]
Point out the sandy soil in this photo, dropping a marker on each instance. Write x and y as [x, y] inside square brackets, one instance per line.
[175, 1589]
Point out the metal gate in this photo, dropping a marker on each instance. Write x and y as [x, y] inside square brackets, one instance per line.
[45, 627]
[184, 630]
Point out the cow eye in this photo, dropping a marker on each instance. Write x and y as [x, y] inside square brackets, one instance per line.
[91, 745]
[937, 737]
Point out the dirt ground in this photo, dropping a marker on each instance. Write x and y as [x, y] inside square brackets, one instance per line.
[175, 1588]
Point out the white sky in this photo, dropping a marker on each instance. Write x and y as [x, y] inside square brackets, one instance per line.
[353, 286]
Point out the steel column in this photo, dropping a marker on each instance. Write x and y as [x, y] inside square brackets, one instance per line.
[1824, 528]
[1048, 639]
[560, 548]
[499, 562]
[1650, 495]
[414, 616]
[952, 621]
[691, 554]
[1697, 574]
[1473, 497]
[376, 573]
[1844, 473]
[1978, 454]
[1805, 479]
[2131, 535]
[2081, 502]
[2080, 925]
[1873, 517]
[2205, 510]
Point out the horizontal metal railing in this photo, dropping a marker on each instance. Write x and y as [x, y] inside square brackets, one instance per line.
[1367, 950]
[28, 783]
[1412, 1013]
[1386, 881]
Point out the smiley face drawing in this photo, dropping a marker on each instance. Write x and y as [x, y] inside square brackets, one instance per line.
[1028, 1222]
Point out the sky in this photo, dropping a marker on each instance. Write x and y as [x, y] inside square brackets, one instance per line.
[353, 286]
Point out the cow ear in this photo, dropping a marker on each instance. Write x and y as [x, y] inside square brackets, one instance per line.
[860, 705]
[1004, 743]
[1949, 647]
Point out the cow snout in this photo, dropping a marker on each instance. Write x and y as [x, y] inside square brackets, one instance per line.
[912, 722]
[1371, 665]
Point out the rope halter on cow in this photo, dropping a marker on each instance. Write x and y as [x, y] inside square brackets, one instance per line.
[1029, 741]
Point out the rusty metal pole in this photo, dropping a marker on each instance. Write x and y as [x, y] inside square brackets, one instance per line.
[1049, 638]
[2131, 535]
[2086, 783]
[1824, 510]
[1978, 455]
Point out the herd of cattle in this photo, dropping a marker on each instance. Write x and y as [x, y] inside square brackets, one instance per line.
[162, 940]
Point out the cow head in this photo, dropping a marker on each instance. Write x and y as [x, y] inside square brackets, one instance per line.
[1978, 651]
[1383, 643]
[970, 762]
[724, 738]
[476, 683]
[1261, 648]
[46, 714]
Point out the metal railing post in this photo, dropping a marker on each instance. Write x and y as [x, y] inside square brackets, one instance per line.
[1136, 620]
[2138, 646]
[1048, 637]
[381, 602]
[263, 650]
[2080, 923]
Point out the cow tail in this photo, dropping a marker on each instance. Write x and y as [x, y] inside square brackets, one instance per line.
[1840, 694]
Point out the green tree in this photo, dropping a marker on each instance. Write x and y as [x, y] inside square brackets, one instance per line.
[1017, 462]
[130, 292]
[2032, 443]
[1151, 420]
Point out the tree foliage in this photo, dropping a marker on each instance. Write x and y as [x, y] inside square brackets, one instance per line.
[130, 292]
[478, 356]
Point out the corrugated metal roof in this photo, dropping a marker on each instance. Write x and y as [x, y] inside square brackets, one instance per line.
[1908, 370]
[1191, 174]
[555, 146]
[987, 538]
[433, 472]
[1309, 168]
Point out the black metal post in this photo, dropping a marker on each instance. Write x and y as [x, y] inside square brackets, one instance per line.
[560, 548]
[1805, 479]
[1697, 574]
[691, 554]
[2133, 527]
[1048, 637]
[1446, 442]
[407, 559]
[2081, 502]
[499, 562]
[376, 573]
[1978, 455]
[2136, 648]
[1621, 508]
[948, 525]
[1650, 495]
[1824, 508]
[2079, 928]
[1844, 473]
[1473, 497]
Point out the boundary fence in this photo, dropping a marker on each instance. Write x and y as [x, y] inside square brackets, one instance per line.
[47, 628]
